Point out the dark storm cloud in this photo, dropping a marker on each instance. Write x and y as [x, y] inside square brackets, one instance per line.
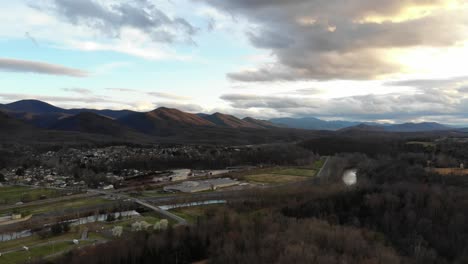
[111, 18]
[15, 65]
[330, 39]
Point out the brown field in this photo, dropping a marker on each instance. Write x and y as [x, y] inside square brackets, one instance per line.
[450, 171]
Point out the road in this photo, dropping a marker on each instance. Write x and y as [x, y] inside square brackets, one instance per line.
[122, 196]
[324, 168]
[168, 214]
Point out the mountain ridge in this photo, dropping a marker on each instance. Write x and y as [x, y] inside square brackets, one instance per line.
[164, 120]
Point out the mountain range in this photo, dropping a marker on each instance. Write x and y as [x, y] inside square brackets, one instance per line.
[343, 126]
[166, 122]
[32, 117]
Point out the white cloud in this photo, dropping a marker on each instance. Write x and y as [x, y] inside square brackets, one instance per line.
[16, 65]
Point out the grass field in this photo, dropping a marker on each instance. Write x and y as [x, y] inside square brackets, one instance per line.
[191, 213]
[14, 194]
[422, 143]
[155, 193]
[296, 172]
[274, 178]
[37, 253]
[37, 209]
[41, 247]
[33, 240]
[283, 175]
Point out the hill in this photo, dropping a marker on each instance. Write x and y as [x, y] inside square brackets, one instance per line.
[45, 120]
[93, 123]
[312, 123]
[363, 128]
[114, 114]
[262, 123]
[417, 127]
[163, 120]
[44, 110]
[318, 124]
[33, 106]
[223, 120]
[9, 124]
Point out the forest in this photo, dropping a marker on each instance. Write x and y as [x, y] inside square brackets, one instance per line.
[399, 212]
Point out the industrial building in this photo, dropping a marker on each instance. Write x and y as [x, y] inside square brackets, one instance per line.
[201, 186]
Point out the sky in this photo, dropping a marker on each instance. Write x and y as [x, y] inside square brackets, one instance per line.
[367, 60]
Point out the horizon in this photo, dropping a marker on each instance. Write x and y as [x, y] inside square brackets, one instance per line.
[261, 59]
[360, 122]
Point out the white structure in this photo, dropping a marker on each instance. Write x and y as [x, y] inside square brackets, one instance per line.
[180, 175]
[108, 187]
[201, 186]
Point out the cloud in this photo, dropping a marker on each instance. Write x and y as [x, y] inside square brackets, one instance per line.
[430, 83]
[421, 105]
[31, 38]
[111, 17]
[78, 90]
[123, 90]
[15, 65]
[59, 99]
[327, 39]
[168, 96]
[161, 95]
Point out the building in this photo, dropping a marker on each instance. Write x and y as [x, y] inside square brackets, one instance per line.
[240, 168]
[180, 175]
[201, 186]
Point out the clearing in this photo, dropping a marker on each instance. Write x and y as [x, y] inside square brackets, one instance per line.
[14, 194]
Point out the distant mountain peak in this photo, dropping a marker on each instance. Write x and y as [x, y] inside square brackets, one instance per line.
[32, 106]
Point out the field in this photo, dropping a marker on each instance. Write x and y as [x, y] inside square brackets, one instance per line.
[37, 209]
[450, 171]
[422, 143]
[274, 178]
[40, 248]
[296, 172]
[14, 194]
[191, 213]
[282, 175]
[155, 193]
[41, 251]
